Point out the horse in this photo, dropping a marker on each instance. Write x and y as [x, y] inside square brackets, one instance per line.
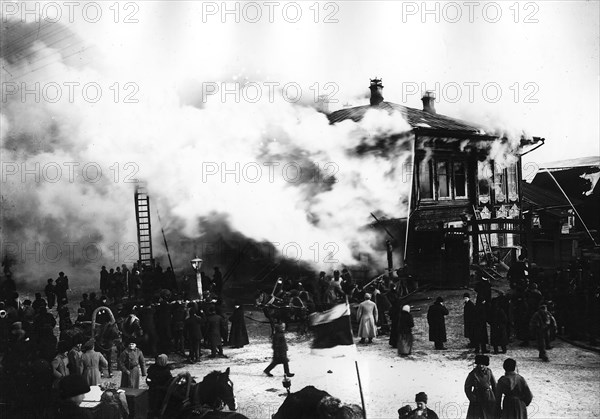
[312, 403]
[187, 399]
[278, 310]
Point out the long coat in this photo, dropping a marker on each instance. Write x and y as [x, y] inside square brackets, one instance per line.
[216, 330]
[367, 316]
[131, 363]
[75, 364]
[469, 319]
[517, 396]
[405, 336]
[498, 330]
[480, 333]
[238, 335]
[280, 348]
[437, 322]
[480, 388]
[92, 362]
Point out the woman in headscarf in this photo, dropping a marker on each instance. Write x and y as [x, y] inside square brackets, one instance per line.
[158, 379]
[92, 362]
[405, 336]
[480, 388]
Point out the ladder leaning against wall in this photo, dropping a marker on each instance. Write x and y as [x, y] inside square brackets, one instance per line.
[144, 231]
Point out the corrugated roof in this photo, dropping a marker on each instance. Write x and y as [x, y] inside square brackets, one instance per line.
[538, 197]
[417, 118]
[590, 161]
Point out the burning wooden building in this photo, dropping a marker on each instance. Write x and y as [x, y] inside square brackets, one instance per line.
[465, 208]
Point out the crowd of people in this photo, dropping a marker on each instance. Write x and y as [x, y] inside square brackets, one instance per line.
[150, 317]
[156, 318]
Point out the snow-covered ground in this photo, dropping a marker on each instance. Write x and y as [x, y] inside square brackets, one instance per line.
[566, 387]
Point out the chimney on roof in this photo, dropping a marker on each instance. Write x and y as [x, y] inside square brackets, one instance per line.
[429, 101]
[376, 92]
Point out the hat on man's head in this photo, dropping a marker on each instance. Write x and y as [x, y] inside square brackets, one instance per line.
[421, 397]
[439, 300]
[466, 294]
[72, 385]
[482, 360]
[509, 365]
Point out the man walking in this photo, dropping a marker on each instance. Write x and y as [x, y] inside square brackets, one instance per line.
[542, 323]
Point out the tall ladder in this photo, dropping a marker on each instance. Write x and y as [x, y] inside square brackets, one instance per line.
[484, 238]
[144, 232]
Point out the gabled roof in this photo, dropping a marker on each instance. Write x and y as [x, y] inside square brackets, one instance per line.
[415, 117]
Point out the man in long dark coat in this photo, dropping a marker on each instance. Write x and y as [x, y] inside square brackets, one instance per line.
[469, 318]
[437, 323]
[193, 329]
[498, 326]
[216, 331]
[480, 332]
[480, 388]
[484, 290]
[132, 364]
[516, 392]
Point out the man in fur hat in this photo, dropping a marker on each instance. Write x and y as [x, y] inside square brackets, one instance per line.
[516, 392]
[131, 364]
[422, 411]
[72, 389]
[480, 388]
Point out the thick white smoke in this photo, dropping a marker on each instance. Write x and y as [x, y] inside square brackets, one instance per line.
[278, 172]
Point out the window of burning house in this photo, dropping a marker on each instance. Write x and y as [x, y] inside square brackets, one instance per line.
[484, 180]
[499, 183]
[426, 180]
[460, 180]
[442, 179]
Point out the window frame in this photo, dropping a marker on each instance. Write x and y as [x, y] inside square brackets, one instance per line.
[434, 179]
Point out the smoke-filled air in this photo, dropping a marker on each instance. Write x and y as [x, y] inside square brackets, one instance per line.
[276, 173]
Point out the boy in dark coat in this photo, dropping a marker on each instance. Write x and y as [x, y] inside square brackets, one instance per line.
[480, 388]
[422, 411]
[437, 323]
[279, 352]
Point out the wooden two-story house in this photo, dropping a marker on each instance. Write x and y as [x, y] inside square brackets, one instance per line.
[465, 207]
